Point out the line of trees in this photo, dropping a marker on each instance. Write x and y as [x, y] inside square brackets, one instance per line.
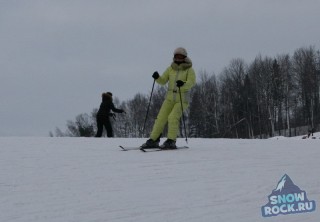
[267, 97]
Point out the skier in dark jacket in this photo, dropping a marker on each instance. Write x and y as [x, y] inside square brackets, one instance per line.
[103, 115]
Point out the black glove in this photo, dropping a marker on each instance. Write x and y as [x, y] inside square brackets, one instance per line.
[155, 75]
[112, 115]
[180, 83]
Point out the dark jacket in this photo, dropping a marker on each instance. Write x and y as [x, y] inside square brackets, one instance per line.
[106, 106]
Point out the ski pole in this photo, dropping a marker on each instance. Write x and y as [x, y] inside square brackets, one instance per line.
[184, 124]
[145, 120]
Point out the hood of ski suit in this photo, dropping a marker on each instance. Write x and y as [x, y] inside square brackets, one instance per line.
[174, 72]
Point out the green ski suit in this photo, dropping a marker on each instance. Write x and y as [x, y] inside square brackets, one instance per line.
[171, 107]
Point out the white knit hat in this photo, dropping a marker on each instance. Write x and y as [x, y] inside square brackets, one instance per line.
[180, 51]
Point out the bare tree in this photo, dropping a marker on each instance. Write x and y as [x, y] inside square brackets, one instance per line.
[81, 127]
[204, 107]
[232, 97]
[287, 89]
[137, 106]
[305, 71]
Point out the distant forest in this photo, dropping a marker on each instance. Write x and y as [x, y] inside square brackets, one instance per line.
[268, 97]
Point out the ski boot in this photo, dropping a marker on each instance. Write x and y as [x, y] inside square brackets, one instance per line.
[169, 144]
[150, 143]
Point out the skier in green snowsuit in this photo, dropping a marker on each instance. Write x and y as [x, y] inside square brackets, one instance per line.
[179, 74]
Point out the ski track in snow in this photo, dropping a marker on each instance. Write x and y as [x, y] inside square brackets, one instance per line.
[92, 180]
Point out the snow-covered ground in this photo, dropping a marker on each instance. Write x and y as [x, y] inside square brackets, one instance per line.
[92, 180]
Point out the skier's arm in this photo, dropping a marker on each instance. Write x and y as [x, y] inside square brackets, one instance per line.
[190, 81]
[164, 78]
[114, 109]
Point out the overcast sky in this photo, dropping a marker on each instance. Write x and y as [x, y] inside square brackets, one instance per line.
[58, 56]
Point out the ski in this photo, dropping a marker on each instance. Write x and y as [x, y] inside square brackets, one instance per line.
[150, 149]
[162, 149]
[125, 148]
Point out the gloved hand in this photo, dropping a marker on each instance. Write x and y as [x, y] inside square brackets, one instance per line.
[112, 115]
[122, 111]
[155, 75]
[180, 83]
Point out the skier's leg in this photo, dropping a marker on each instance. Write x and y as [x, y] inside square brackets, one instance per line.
[161, 120]
[174, 120]
[108, 127]
[100, 127]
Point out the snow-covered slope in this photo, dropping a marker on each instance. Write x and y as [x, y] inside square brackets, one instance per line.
[90, 179]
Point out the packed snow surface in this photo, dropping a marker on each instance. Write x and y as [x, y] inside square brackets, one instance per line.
[92, 180]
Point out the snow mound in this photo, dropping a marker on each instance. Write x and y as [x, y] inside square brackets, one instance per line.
[315, 136]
